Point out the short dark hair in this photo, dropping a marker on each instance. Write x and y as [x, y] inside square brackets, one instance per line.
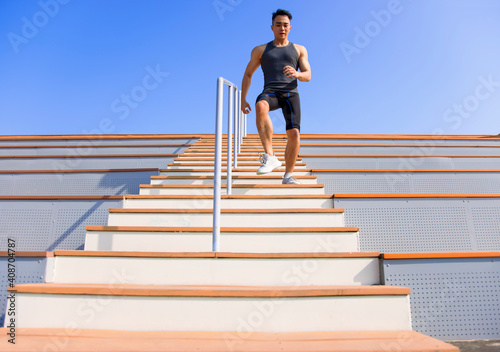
[281, 12]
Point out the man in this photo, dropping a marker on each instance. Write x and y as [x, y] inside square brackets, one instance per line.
[280, 61]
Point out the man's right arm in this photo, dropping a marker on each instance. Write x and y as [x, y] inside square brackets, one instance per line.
[252, 66]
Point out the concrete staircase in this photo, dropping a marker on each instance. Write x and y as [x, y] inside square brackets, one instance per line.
[289, 275]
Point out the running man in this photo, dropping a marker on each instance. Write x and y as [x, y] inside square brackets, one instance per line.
[280, 61]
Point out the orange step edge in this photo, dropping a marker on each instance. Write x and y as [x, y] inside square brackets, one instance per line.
[80, 253]
[223, 229]
[210, 290]
[77, 340]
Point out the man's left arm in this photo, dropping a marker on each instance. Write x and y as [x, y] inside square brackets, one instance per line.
[305, 69]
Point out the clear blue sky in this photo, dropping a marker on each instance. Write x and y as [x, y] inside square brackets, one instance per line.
[150, 66]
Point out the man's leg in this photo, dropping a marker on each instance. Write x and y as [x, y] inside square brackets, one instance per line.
[292, 148]
[264, 126]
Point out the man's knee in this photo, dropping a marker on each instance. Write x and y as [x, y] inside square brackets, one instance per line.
[293, 135]
[262, 107]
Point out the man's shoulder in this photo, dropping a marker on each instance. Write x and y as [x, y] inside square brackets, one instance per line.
[260, 47]
[300, 48]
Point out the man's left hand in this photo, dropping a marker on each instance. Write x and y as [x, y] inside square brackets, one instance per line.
[289, 71]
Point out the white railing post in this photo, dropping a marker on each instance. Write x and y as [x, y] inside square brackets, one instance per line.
[237, 101]
[229, 159]
[234, 103]
[217, 166]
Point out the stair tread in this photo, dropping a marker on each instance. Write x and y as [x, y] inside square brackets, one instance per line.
[222, 229]
[229, 211]
[232, 196]
[77, 340]
[209, 290]
[252, 185]
[246, 177]
[80, 253]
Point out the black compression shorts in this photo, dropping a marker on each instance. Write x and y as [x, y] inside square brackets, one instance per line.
[289, 102]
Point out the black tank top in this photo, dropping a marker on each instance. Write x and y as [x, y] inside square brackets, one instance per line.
[273, 60]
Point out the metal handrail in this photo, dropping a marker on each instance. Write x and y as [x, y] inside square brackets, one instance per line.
[235, 113]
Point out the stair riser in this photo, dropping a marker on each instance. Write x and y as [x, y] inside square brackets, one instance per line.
[220, 271]
[256, 181]
[227, 220]
[188, 172]
[296, 203]
[229, 242]
[352, 313]
[235, 191]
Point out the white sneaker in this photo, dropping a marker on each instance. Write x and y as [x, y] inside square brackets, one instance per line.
[269, 163]
[290, 181]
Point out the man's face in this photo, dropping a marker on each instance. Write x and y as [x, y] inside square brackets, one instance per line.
[281, 27]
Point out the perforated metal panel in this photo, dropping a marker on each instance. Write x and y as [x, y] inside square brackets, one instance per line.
[51, 225]
[451, 299]
[409, 183]
[27, 270]
[422, 225]
[401, 163]
[69, 232]
[426, 142]
[112, 183]
[84, 163]
[397, 150]
[30, 226]
[354, 183]
[86, 142]
[486, 221]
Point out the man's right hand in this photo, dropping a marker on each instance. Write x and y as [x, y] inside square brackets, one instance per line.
[245, 107]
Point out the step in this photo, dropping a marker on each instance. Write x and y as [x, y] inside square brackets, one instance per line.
[240, 240]
[78, 340]
[228, 202]
[204, 159]
[236, 179]
[194, 171]
[237, 189]
[242, 165]
[229, 217]
[217, 268]
[213, 308]
[243, 154]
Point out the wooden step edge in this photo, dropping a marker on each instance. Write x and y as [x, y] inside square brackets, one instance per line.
[99, 137]
[211, 164]
[403, 170]
[57, 197]
[80, 253]
[66, 156]
[26, 254]
[210, 290]
[77, 340]
[209, 230]
[233, 196]
[91, 145]
[282, 169]
[395, 156]
[75, 171]
[237, 185]
[440, 255]
[193, 158]
[421, 146]
[416, 196]
[237, 177]
[227, 211]
[431, 137]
